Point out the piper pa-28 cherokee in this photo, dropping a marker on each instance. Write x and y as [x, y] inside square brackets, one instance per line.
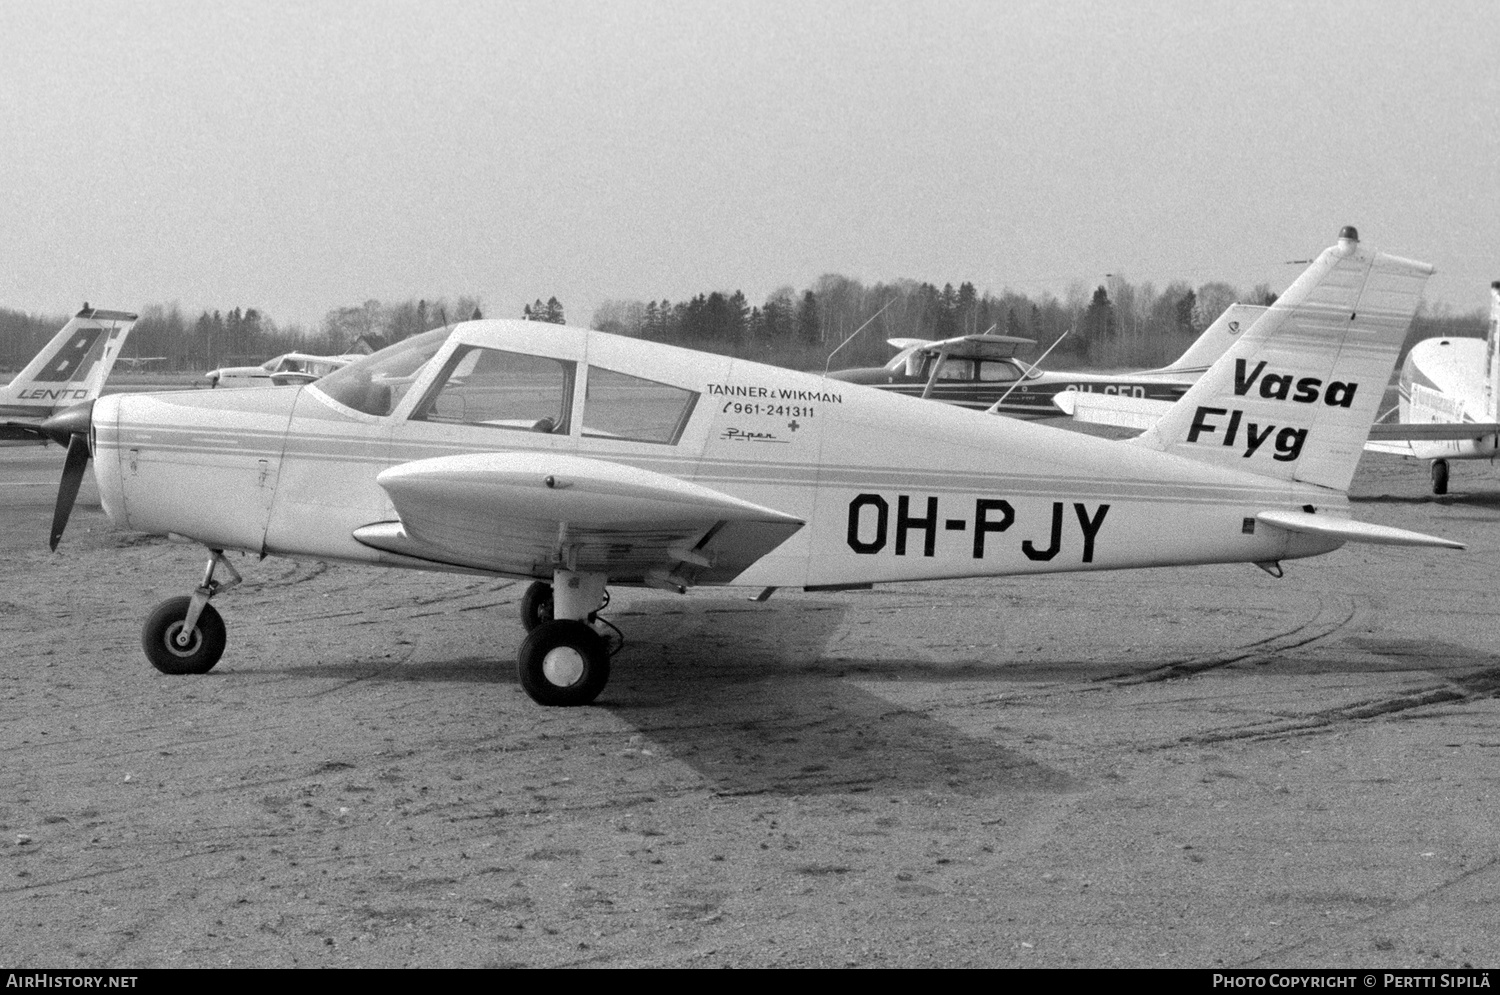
[70, 369]
[578, 459]
[288, 369]
[1449, 405]
[980, 371]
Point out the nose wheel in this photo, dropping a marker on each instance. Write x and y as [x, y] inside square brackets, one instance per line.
[173, 647]
[185, 634]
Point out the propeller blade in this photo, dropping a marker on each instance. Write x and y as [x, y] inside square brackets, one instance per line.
[67, 491]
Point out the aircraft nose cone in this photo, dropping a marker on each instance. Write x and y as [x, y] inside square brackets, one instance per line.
[68, 422]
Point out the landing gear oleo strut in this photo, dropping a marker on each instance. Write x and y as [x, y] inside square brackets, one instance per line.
[185, 635]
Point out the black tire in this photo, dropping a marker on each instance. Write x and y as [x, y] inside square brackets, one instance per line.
[563, 664]
[158, 638]
[1440, 476]
[536, 605]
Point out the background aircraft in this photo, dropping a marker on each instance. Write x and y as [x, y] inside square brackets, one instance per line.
[278, 371]
[1449, 405]
[578, 459]
[980, 371]
[71, 368]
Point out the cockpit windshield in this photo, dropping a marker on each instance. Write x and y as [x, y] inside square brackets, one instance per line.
[376, 383]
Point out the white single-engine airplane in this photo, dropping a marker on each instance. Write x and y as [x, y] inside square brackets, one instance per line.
[1449, 405]
[288, 369]
[980, 371]
[578, 459]
[68, 370]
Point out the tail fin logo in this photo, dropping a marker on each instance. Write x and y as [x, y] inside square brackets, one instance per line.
[74, 360]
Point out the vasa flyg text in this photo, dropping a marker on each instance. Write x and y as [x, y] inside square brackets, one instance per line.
[1288, 441]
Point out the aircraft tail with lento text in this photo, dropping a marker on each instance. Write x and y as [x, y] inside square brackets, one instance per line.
[71, 368]
[1294, 397]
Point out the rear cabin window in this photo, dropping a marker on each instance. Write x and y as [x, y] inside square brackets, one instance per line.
[620, 406]
[499, 389]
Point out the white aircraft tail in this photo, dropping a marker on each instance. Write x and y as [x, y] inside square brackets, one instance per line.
[1294, 397]
[1216, 339]
[72, 367]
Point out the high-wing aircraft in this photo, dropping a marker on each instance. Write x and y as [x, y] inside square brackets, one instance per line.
[1449, 406]
[71, 368]
[577, 459]
[981, 371]
[278, 371]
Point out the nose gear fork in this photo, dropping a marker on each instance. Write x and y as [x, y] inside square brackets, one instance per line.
[203, 592]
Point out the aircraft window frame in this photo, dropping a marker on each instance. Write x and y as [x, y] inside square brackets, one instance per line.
[685, 402]
[462, 364]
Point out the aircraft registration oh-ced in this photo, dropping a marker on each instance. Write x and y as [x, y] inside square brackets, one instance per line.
[577, 460]
[1449, 407]
[68, 370]
[982, 372]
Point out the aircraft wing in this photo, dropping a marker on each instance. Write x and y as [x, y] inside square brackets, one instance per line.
[529, 513]
[1432, 431]
[979, 346]
[1401, 438]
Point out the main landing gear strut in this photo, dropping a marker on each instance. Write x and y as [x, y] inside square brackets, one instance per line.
[185, 635]
[565, 660]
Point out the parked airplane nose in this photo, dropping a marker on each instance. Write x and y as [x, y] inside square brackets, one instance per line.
[69, 427]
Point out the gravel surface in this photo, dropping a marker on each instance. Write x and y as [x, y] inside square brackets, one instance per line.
[1192, 767]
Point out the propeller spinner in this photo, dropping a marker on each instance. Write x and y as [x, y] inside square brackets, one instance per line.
[69, 427]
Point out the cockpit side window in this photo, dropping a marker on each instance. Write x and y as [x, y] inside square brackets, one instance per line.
[956, 369]
[499, 389]
[998, 372]
[620, 406]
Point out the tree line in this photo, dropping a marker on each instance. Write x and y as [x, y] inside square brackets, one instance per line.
[1118, 324]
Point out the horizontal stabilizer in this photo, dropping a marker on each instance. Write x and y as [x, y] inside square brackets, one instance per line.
[1109, 409]
[1349, 530]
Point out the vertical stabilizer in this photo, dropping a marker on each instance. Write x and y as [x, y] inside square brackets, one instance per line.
[70, 368]
[1293, 399]
[1217, 338]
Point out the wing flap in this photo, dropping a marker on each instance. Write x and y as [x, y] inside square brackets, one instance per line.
[1349, 530]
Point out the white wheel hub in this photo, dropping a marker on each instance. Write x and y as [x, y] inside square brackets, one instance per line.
[563, 666]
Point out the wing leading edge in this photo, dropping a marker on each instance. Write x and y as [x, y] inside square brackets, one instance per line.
[527, 514]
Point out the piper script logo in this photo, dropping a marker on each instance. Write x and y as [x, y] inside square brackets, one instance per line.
[1231, 428]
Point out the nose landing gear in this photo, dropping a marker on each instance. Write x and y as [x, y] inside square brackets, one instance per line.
[185, 635]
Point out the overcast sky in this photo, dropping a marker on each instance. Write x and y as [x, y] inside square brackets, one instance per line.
[297, 157]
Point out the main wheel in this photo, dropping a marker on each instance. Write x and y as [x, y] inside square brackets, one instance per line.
[198, 653]
[1440, 476]
[536, 605]
[564, 663]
